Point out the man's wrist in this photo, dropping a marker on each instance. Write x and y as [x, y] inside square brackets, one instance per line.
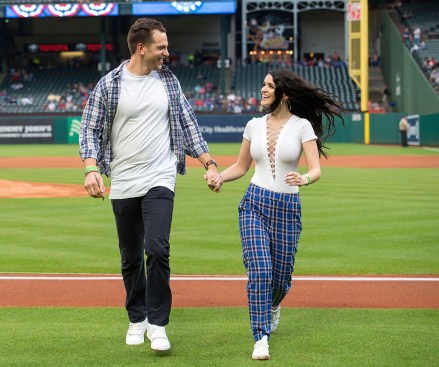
[210, 162]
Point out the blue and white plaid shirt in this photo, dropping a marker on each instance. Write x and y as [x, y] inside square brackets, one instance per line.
[99, 112]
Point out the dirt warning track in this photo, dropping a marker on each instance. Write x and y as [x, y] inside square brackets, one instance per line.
[75, 290]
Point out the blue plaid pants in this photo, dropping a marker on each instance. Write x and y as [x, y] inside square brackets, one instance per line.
[270, 225]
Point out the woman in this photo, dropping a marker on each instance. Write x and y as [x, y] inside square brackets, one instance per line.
[270, 211]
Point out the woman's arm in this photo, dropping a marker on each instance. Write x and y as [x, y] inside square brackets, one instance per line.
[241, 166]
[313, 164]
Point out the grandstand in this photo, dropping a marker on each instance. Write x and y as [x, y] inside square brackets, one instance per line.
[33, 94]
[25, 96]
[425, 15]
[247, 81]
[61, 81]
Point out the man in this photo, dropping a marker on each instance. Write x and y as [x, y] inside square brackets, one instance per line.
[403, 128]
[136, 128]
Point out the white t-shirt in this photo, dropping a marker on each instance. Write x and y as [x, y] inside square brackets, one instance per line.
[140, 136]
[295, 132]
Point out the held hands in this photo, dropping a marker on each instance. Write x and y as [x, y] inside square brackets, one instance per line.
[214, 181]
[296, 179]
[94, 184]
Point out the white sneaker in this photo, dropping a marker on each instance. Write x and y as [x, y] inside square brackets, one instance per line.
[275, 319]
[260, 350]
[158, 337]
[136, 332]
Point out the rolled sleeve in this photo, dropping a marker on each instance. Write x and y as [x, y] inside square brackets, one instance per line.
[193, 141]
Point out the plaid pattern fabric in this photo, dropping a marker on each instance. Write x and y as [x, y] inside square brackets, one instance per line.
[99, 112]
[270, 225]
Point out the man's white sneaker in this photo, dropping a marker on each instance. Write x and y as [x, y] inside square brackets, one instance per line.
[158, 337]
[136, 332]
[275, 319]
[260, 350]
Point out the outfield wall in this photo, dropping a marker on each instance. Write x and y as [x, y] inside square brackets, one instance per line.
[383, 129]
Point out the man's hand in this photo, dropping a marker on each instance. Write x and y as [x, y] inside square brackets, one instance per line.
[214, 180]
[94, 184]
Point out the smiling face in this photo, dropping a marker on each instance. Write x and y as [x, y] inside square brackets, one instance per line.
[154, 53]
[267, 91]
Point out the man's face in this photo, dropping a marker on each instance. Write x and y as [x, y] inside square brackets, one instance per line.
[157, 51]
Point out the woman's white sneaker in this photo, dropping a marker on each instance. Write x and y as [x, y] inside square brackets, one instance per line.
[136, 333]
[260, 350]
[158, 337]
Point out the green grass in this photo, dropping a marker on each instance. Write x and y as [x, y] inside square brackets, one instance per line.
[39, 150]
[213, 337]
[64, 150]
[355, 221]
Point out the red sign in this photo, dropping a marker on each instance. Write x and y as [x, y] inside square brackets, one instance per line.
[354, 11]
[65, 47]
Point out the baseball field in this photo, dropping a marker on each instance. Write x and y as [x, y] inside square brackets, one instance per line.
[365, 287]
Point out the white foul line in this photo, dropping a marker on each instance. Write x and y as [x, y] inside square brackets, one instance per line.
[224, 278]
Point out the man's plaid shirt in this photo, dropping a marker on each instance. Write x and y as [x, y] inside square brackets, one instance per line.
[99, 112]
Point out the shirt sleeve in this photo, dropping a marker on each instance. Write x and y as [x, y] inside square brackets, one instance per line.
[193, 141]
[307, 132]
[248, 130]
[93, 118]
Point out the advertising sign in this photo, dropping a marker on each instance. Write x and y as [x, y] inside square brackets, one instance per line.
[413, 131]
[25, 131]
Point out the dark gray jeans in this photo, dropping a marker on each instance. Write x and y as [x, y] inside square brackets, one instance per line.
[143, 227]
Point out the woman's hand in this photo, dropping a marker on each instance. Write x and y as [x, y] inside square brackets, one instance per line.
[296, 179]
[215, 182]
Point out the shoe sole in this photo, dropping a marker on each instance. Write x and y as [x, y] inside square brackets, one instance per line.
[160, 350]
[262, 358]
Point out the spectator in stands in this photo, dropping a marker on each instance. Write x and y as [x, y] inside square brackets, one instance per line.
[141, 142]
[16, 86]
[15, 76]
[209, 87]
[407, 37]
[191, 60]
[231, 97]
[270, 211]
[415, 48]
[336, 60]
[374, 60]
[417, 36]
[27, 101]
[51, 106]
[433, 75]
[403, 129]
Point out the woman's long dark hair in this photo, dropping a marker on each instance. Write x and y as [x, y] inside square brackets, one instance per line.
[308, 102]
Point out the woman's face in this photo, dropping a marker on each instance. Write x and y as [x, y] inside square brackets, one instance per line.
[267, 91]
